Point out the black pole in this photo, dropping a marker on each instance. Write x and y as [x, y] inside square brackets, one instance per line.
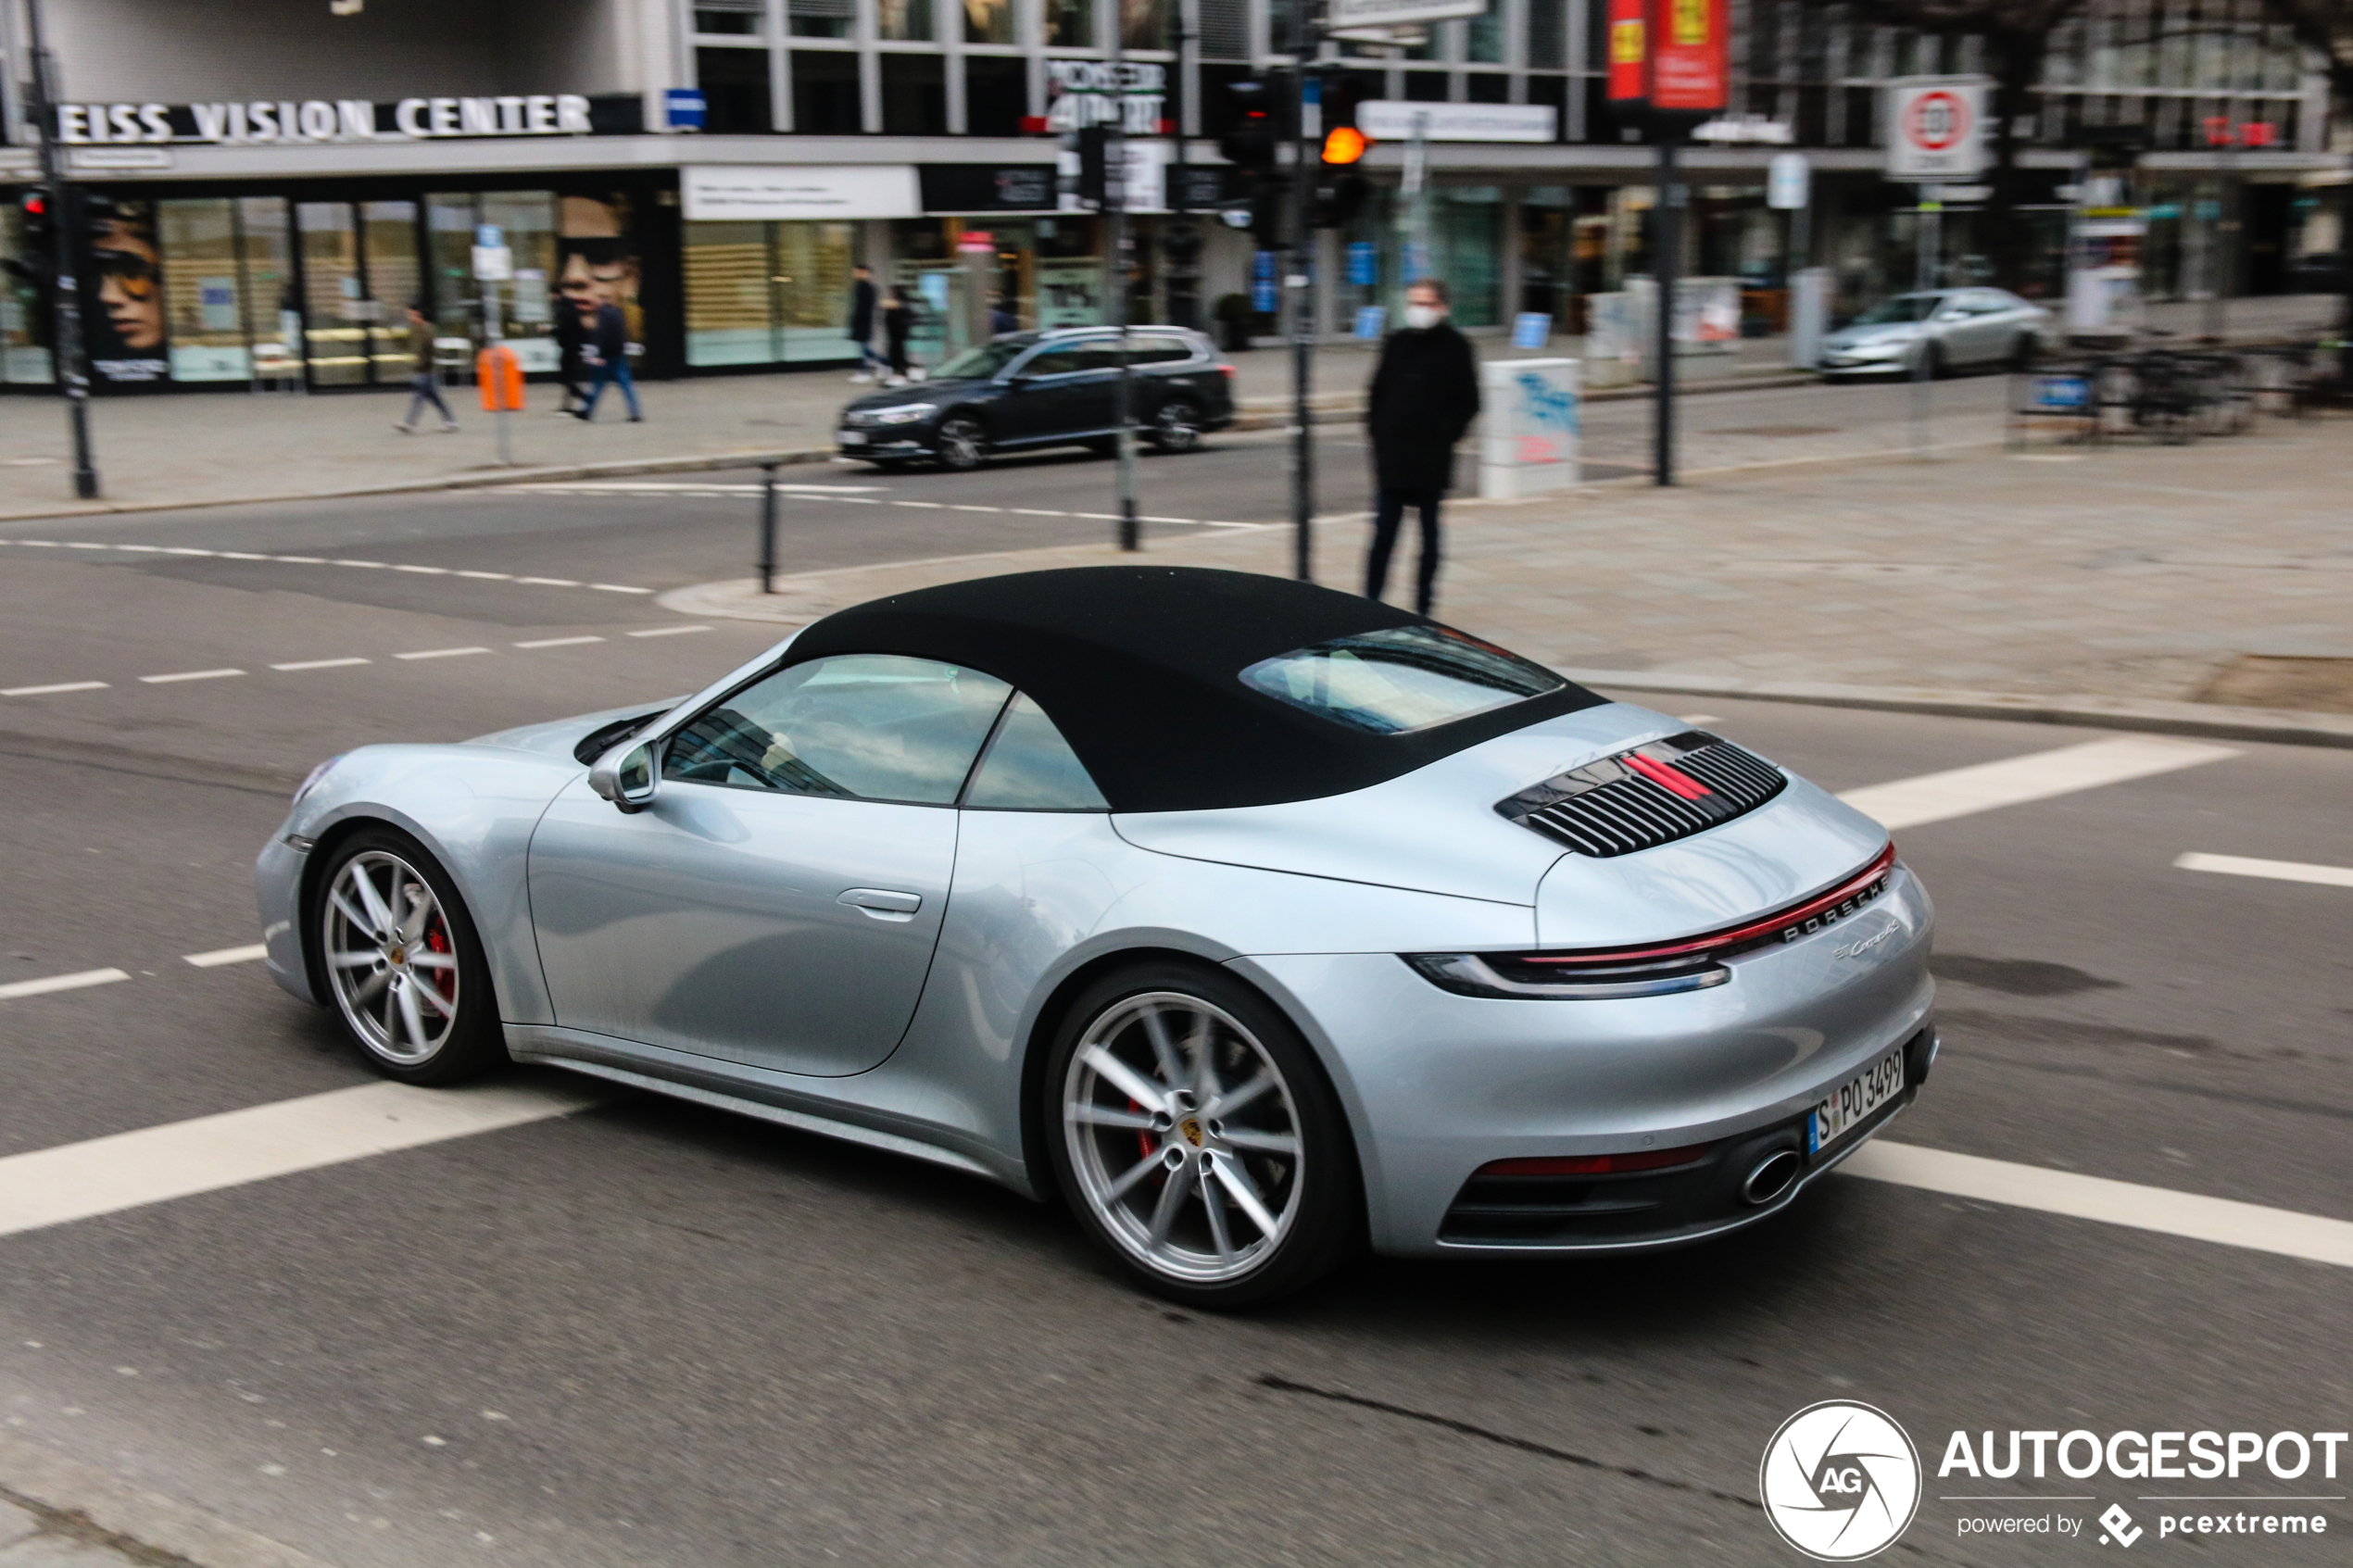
[71, 365]
[1180, 244]
[1299, 281]
[1131, 531]
[767, 527]
[1669, 233]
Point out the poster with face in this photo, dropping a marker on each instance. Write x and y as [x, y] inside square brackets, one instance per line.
[124, 287]
[598, 260]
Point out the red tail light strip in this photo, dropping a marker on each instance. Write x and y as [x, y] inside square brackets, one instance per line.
[1789, 924]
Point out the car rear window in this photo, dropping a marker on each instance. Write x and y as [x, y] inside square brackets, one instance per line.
[1401, 679]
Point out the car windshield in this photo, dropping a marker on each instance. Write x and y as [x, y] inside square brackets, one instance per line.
[1902, 308]
[1405, 678]
[981, 360]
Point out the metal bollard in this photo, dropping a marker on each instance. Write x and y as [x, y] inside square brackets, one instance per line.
[767, 527]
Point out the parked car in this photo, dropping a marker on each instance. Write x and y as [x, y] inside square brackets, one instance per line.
[1027, 390]
[1954, 329]
[1256, 921]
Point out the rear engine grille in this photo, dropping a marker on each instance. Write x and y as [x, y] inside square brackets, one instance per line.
[1652, 795]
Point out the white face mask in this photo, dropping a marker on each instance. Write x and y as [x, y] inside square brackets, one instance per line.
[1421, 318]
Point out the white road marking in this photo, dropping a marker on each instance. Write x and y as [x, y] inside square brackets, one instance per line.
[440, 653]
[2281, 870]
[61, 687]
[1961, 791]
[190, 676]
[959, 507]
[322, 663]
[323, 560]
[558, 642]
[1697, 718]
[668, 630]
[220, 956]
[52, 1186]
[11, 991]
[2222, 1220]
[1035, 511]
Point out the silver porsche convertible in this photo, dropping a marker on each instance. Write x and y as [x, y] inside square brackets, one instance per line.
[1255, 920]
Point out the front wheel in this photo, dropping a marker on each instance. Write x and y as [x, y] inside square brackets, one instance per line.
[1197, 1138]
[401, 963]
[962, 444]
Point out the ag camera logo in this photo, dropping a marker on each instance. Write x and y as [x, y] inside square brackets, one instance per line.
[1840, 1481]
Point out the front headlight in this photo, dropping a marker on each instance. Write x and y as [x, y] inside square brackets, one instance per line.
[905, 414]
[311, 780]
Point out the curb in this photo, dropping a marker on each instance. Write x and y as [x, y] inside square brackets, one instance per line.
[82, 1501]
[787, 457]
[2280, 725]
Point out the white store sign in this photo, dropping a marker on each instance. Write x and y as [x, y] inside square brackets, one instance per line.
[1936, 128]
[1391, 119]
[753, 193]
[1399, 13]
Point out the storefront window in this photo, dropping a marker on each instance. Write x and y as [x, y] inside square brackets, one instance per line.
[596, 259]
[24, 360]
[988, 21]
[907, 21]
[274, 311]
[764, 294]
[1467, 231]
[388, 230]
[202, 292]
[1070, 24]
[335, 308]
[822, 19]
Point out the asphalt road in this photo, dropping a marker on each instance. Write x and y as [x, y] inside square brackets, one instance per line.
[652, 1334]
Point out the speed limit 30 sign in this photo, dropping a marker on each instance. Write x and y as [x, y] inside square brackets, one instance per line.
[1936, 128]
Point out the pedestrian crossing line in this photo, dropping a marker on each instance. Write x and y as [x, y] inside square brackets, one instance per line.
[329, 560]
[53, 690]
[2279, 870]
[106, 1175]
[220, 956]
[2042, 775]
[2222, 1220]
[43, 986]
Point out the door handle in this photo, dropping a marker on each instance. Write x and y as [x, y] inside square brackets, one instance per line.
[882, 903]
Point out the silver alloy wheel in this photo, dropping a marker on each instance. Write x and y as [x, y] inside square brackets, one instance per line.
[1176, 428]
[391, 960]
[1184, 1136]
[961, 445]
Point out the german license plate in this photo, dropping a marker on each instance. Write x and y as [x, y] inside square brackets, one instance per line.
[1853, 1102]
[850, 437]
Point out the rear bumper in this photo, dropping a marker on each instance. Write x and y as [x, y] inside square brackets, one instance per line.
[1437, 1086]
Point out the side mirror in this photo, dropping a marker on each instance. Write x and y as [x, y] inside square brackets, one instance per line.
[625, 776]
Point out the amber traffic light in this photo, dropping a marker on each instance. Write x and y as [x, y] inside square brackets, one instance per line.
[1344, 144]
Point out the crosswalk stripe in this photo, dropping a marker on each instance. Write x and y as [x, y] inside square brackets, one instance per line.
[2222, 1220]
[79, 1181]
[1961, 791]
[2280, 870]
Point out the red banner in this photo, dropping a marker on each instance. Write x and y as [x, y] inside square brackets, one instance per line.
[1688, 68]
[1628, 55]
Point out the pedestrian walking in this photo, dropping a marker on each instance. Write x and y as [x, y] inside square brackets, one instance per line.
[1424, 395]
[572, 337]
[609, 346]
[423, 387]
[898, 323]
[861, 322]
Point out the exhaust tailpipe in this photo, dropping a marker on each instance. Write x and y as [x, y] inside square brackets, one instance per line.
[1773, 1176]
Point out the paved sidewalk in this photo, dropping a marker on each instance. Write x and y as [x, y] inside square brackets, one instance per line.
[2131, 572]
[201, 448]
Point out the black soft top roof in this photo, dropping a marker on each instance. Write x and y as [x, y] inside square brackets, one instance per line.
[1140, 666]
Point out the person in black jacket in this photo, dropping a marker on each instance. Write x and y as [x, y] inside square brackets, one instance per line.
[898, 323]
[571, 336]
[609, 342]
[1424, 395]
[862, 322]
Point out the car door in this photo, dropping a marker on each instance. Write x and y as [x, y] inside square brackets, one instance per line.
[1036, 404]
[1984, 331]
[777, 900]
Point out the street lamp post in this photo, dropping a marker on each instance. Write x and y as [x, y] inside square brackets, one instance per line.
[71, 365]
[1115, 172]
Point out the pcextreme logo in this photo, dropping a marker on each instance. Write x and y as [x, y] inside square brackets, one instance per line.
[1840, 1481]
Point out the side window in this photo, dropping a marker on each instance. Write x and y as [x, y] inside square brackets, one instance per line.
[1158, 351]
[1054, 363]
[859, 726]
[1031, 768]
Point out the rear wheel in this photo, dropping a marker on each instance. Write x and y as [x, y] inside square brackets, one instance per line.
[962, 444]
[401, 962]
[1177, 427]
[1197, 1139]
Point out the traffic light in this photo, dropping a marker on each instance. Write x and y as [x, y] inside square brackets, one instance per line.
[1340, 191]
[1249, 143]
